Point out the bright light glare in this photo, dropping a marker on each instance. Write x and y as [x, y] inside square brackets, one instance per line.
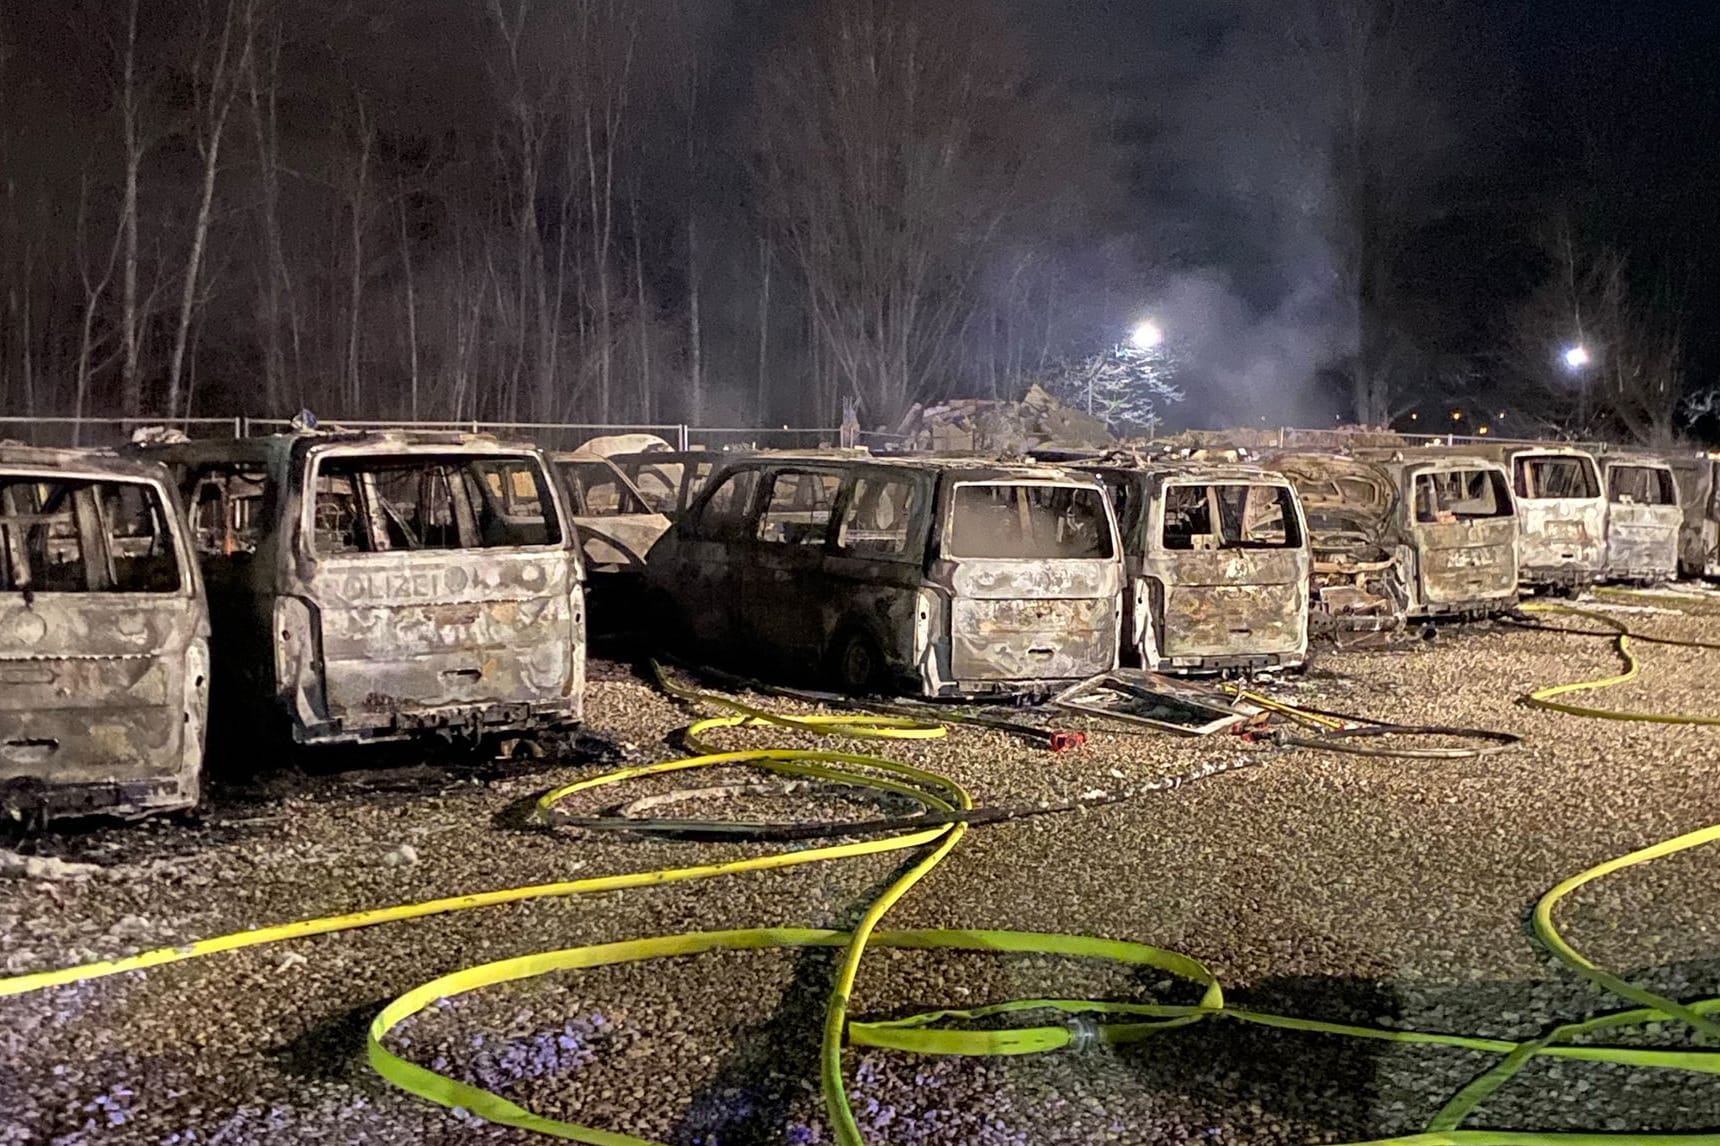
[1576, 357]
[1147, 336]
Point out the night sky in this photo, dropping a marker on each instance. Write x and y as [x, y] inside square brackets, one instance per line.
[1196, 162]
[1611, 110]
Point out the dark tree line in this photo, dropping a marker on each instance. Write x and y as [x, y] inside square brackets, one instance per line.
[754, 211]
[607, 210]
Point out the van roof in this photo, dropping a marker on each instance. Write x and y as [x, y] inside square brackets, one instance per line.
[1652, 461]
[266, 447]
[78, 460]
[939, 463]
[1191, 470]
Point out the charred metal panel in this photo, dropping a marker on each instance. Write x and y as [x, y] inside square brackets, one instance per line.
[618, 544]
[1644, 520]
[1004, 580]
[1467, 564]
[103, 686]
[1032, 638]
[1232, 592]
[1220, 621]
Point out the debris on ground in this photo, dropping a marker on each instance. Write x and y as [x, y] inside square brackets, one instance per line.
[15, 866]
[1185, 707]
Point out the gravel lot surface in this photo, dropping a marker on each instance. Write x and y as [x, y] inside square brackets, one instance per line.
[1339, 887]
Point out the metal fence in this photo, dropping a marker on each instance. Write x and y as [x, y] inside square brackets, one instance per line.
[68, 431]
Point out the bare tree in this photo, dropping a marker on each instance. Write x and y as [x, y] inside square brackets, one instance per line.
[215, 83]
[263, 87]
[131, 384]
[1604, 345]
[893, 138]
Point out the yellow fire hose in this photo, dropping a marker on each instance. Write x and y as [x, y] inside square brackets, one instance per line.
[925, 1033]
[1623, 636]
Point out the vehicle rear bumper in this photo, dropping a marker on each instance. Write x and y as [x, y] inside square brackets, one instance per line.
[454, 721]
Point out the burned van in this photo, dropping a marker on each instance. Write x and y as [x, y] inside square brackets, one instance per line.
[1433, 534]
[1350, 507]
[1699, 531]
[1643, 519]
[1457, 535]
[104, 638]
[1217, 565]
[941, 576]
[373, 586]
[1561, 514]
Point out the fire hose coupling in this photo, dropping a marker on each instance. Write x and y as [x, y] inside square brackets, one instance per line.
[1084, 1034]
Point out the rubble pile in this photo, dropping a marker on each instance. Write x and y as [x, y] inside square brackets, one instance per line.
[1259, 440]
[1038, 421]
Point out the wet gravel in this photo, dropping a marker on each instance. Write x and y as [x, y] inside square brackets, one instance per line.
[1330, 886]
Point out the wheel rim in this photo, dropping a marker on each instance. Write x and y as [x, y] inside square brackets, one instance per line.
[857, 664]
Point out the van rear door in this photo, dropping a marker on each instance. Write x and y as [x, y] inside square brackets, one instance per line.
[1235, 568]
[1466, 528]
[436, 600]
[103, 642]
[1643, 520]
[1035, 580]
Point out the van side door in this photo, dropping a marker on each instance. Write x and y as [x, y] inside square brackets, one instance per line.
[784, 585]
[707, 554]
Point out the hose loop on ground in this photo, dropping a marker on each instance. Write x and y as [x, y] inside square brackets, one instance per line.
[1080, 1024]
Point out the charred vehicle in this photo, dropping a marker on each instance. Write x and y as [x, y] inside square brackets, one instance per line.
[668, 480]
[372, 586]
[1643, 519]
[616, 527]
[1457, 535]
[947, 577]
[1435, 535]
[104, 638]
[1217, 565]
[1350, 508]
[1561, 514]
[1699, 531]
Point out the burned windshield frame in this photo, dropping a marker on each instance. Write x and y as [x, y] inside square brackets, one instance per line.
[1434, 503]
[1555, 477]
[1027, 521]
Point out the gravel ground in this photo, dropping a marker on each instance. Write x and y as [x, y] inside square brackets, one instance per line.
[1339, 887]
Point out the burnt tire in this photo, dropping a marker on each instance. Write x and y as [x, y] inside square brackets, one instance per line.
[856, 664]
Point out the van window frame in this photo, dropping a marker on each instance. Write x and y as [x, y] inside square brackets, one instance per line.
[1501, 480]
[739, 527]
[1295, 529]
[311, 472]
[924, 488]
[170, 517]
[765, 488]
[1520, 464]
[954, 484]
[1664, 477]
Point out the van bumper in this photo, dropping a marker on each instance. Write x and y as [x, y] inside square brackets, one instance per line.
[465, 721]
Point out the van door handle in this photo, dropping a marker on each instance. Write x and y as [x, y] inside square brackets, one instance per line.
[464, 674]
